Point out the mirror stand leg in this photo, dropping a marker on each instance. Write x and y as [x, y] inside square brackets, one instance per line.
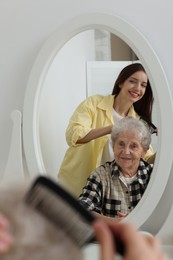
[14, 165]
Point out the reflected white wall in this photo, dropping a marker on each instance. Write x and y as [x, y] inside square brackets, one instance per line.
[64, 89]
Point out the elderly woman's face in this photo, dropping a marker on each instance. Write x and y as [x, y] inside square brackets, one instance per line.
[128, 151]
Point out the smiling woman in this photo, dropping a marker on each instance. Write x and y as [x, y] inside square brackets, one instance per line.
[145, 211]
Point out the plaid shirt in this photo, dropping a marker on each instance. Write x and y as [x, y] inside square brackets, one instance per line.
[107, 193]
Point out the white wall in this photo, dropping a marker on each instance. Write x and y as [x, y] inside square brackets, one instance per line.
[26, 25]
[64, 88]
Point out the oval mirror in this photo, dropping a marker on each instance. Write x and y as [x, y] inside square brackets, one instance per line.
[139, 45]
[86, 65]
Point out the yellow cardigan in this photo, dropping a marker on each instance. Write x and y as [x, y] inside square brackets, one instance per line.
[81, 159]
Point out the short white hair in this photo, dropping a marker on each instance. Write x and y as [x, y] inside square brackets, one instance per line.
[130, 124]
[35, 237]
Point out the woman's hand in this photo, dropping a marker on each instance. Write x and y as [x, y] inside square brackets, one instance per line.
[137, 246]
[120, 216]
[5, 237]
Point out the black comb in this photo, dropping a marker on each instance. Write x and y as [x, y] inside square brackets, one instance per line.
[64, 210]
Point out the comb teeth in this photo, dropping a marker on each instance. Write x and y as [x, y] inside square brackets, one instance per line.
[57, 210]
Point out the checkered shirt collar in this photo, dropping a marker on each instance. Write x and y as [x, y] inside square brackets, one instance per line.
[142, 172]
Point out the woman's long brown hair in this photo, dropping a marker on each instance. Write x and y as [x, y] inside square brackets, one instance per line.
[143, 106]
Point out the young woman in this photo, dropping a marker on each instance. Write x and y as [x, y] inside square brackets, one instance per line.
[88, 132]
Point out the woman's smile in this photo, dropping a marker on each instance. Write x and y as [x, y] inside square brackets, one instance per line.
[134, 94]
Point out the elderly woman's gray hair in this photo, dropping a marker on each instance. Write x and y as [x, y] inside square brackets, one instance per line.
[130, 124]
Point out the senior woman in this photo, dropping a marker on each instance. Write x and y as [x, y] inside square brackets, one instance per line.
[114, 188]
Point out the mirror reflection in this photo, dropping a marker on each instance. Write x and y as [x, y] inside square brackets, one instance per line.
[87, 65]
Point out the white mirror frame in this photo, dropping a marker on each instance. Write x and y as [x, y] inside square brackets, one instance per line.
[143, 214]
